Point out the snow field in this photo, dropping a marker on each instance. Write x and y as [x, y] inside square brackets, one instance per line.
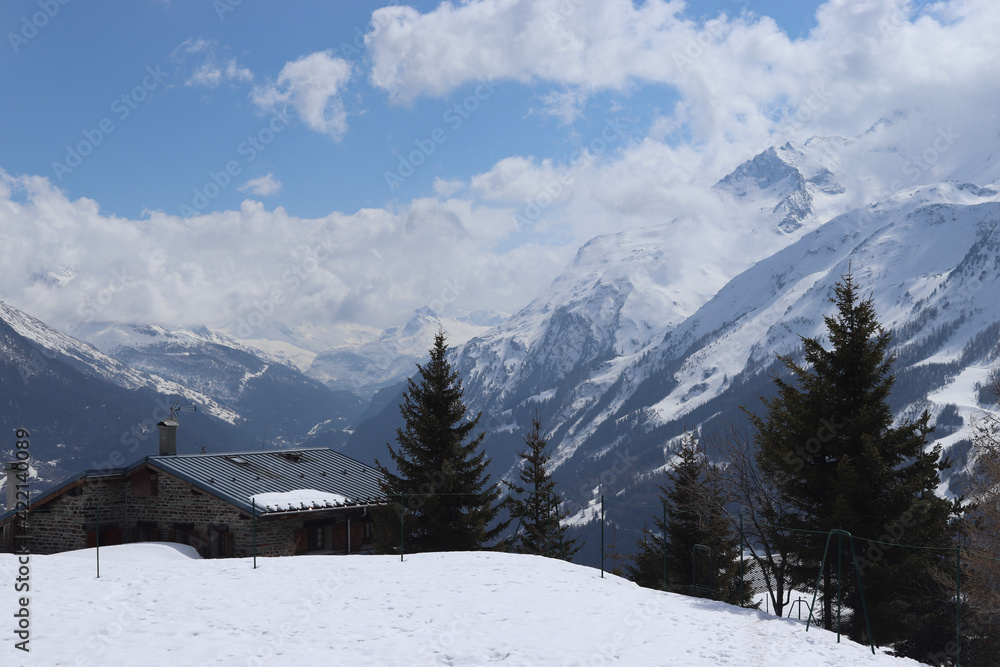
[156, 605]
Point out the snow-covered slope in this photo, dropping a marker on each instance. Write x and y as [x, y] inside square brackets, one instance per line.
[623, 292]
[270, 396]
[432, 609]
[930, 257]
[51, 344]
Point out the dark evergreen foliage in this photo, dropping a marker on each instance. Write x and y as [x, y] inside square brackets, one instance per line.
[702, 551]
[448, 502]
[829, 441]
[535, 507]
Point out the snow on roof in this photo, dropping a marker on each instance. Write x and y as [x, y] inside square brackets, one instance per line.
[298, 499]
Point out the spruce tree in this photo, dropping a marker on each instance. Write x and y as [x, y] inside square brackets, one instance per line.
[537, 512]
[702, 552]
[442, 488]
[829, 441]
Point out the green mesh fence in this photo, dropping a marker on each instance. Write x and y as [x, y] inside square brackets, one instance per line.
[764, 583]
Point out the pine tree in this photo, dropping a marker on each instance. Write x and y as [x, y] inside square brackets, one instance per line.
[444, 492]
[702, 553]
[829, 442]
[538, 515]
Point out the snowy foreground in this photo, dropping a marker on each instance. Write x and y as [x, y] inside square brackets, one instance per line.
[158, 604]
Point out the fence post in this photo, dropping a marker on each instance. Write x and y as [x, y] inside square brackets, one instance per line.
[664, 546]
[742, 582]
[402, 523]
[253, 505]
[840, 596]
[602, 536]
[958, 605]
[97, 534]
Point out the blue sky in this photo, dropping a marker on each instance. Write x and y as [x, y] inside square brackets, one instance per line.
[67, 78]
[172, 161]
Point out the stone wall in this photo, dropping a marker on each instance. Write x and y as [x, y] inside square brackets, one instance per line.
[63, 524]
[165, 509]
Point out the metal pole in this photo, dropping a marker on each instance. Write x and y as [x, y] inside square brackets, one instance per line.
[664, 546]
[602, 536]
[958, 605]
[840, 554]
[253, 504]
[402, 516]
[819, 576]
[742, 583]
[98, 542]
[861, 591]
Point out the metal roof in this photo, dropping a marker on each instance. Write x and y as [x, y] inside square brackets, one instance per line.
[235, 476]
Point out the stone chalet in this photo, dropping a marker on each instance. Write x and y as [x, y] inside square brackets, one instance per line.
[310, 500]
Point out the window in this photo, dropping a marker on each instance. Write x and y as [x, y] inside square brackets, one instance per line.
[144, 483]
[315, 538]
[182, 532]
[220, 541]
[146, 531]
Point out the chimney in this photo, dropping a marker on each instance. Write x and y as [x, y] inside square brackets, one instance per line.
[12, 468]
[168, 437]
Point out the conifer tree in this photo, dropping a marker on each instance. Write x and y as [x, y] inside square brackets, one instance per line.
[442, 488]
[702, 553]
[829, 442]
[537, 509]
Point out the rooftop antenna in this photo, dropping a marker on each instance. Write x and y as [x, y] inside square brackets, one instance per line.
[175, 408]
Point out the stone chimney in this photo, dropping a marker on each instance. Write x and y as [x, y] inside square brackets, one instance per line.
[168, 437]
[11, 468]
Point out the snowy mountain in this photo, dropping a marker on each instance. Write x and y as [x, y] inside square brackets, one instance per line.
[86, 409]
[390, 357]
[272, 398]
[929, 256]
[662, 328]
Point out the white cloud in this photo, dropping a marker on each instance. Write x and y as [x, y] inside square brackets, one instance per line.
[211, 72]
[373, 267]
[312, 85]
[737, 77]
[263, 186]
[742, 85]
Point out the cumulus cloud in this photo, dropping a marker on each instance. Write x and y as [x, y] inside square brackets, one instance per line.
[312, 85]
[739, 78]
[741, 85]
[263, 186]
[372, 267]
